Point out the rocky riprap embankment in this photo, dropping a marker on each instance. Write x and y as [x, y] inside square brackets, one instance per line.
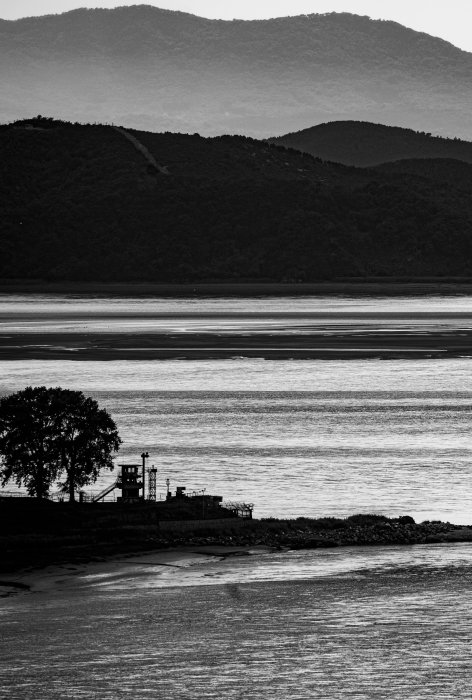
[38, 550]
[388, 533]
[391, 532]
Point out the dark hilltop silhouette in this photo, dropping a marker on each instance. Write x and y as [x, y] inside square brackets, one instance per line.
[107, 204]
[161, 70]
[366, 144]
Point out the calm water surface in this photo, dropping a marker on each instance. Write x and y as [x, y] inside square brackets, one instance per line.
[313, 437]
[296, 438]
[73, 314]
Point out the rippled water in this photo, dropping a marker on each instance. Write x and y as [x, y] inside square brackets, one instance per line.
[73, 314]
[312, 437]
[398, 441]
[362, 623]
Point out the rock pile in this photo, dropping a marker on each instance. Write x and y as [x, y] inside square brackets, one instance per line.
[308, 534]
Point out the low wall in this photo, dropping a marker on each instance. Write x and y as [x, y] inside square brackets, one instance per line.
[219, 524]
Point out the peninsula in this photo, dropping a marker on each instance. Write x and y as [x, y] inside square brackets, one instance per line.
[38, 534]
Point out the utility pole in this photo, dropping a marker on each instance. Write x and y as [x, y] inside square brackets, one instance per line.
[144, 456]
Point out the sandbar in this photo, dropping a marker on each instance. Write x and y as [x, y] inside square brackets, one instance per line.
[193, 346]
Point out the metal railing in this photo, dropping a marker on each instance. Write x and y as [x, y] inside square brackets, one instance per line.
[242, 510]
[108, 489]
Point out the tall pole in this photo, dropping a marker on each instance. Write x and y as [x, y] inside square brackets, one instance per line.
[152, 483]
[144, 456]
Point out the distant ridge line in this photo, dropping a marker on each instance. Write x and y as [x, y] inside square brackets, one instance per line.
[362, 143]
[183, 73]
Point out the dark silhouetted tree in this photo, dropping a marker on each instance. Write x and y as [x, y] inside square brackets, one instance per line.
[88, 438]
[48, 432]
[27, 446]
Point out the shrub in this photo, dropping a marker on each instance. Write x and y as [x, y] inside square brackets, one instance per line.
[367, 520]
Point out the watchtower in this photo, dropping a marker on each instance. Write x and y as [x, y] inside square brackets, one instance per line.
[130, 483]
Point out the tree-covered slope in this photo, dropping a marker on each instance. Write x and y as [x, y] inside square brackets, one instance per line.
[365, 144]
[84, 203]
[156, 69]
[456, 173]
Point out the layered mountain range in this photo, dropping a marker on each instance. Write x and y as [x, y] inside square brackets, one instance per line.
[365, 144]
[111, 204]
[160, 70]
[348, 197]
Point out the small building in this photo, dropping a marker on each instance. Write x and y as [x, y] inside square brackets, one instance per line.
[130, 484]
[186, 505]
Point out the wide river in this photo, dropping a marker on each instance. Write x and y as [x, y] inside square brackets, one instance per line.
[324, 435]
[295, 437]
[370, 623]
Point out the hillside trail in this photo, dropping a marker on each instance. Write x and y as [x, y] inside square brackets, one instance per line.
[141, 148]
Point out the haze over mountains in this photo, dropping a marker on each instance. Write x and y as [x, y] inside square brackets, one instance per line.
[162, 70]
[83, 202]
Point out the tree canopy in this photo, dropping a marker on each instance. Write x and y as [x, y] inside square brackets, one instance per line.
[51, 433]
[81, 203]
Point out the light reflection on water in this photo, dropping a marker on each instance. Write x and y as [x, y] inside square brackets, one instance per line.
[73, 314]
[294, 437]
[370, 623]
[297, 438]
[312, 437]
[147, 571]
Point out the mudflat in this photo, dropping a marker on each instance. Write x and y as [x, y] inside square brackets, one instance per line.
[384, 623]
[149, 346]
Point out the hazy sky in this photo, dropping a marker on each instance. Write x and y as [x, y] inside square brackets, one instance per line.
[451, 19]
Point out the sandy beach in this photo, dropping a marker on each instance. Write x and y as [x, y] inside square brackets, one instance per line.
[117, 569]
[174, 563]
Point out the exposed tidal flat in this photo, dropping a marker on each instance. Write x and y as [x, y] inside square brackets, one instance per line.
[60, 327]
[298, 437]
[350, 622]
[38, 534]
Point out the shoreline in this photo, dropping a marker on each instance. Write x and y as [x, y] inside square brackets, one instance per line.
[349, 286]
[48, 578]
[72, 576]
[35, 553]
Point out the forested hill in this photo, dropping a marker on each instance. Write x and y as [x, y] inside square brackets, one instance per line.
[445, 170]
[367, 144]
[156, 69]
[96, 203]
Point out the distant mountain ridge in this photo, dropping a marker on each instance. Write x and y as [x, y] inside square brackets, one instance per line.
[364, 144]
[161, 70]
[92, 202]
